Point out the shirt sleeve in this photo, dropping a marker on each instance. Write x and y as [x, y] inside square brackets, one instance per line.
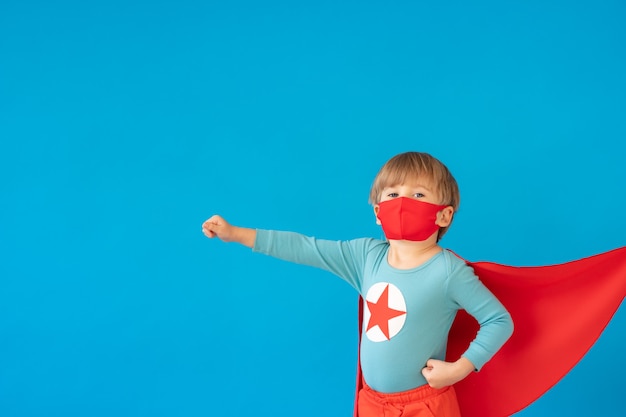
[342, 258]
[467, 292]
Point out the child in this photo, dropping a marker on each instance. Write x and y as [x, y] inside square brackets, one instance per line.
[411, 287]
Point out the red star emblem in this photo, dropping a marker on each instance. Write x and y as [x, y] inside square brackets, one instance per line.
[381, 313]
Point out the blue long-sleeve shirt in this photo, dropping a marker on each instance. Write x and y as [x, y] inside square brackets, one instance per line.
[408, 312]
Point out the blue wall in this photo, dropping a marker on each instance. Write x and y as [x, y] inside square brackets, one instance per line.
[125, 124]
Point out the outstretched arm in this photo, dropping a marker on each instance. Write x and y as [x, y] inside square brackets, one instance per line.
[342, 258]
[216, 226]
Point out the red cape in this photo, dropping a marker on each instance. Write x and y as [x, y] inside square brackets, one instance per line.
[559, 311]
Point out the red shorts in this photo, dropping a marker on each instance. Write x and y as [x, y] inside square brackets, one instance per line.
[422, 401]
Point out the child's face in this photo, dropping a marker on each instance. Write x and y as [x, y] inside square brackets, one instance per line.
[419, 190]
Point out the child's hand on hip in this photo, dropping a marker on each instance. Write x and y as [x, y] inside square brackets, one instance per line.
[440, 374]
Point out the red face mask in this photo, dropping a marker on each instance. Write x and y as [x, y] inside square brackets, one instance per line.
[408, 219]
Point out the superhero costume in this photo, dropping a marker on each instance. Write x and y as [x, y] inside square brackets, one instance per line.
[559, 312]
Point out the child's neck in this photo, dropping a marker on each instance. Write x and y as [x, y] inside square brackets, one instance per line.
[405, 254]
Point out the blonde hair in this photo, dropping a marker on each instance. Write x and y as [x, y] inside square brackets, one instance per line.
[410, 166]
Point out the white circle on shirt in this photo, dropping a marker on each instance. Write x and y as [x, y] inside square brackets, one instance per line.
[384, 312]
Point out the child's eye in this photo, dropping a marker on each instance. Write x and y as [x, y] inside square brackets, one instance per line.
[392, 195]
[418, 195]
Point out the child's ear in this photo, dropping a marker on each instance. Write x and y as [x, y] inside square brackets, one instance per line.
[376, 209]
[444, 217]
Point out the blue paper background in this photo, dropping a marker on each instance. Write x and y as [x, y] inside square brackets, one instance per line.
[125, 124]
